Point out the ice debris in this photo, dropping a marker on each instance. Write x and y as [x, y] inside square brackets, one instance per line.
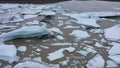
[71, 27]
[61, 44]
[113, 33]
[111, 64]
[59, 37]
[25, 32]
[115, 58]
[22, 48]
[79, 34]
[47, 13]
[56, 30]
[8, 53]
[59, 53]
[29, 16]
[96, 62]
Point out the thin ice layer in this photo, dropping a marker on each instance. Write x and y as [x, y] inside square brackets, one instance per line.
[25, 32]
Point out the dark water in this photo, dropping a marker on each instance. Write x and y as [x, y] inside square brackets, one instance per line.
[44, 1]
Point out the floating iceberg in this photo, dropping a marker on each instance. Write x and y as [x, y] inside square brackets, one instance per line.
[8, 53]
[96, 62]
[113, 33]
[79, 34]
[59, 53]
[31, 64]
[25, 32]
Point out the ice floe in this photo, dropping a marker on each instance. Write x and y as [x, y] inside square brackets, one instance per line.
[31, 64]
[61, 44]
[79, 34]
[22, 48]
[96, 62]
[59, 53]
[30, 16]
[8, 53]
[97, 31]
[59, 37]
[47, 13]
[56, 30]
[113, 33]
[111, 64]
[25, 32]
[71, 27]
[115, 58]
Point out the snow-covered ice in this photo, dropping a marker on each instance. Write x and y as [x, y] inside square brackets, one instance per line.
[25, 32]
[59, 53]
[115, 58]
[111, 64]
[8, 53]
[113, 33]
[96, 62]
[79, 34]
[22, 48]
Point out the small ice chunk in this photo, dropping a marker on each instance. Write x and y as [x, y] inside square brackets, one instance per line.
[9, 6]
[38, 59]
[59, 37]
[25, 32]
[22, 48]
[79, 34]
[47, 13]
[111, 64]
[115, 58]
[8, 53]
[83, 52]
[71, 27]
[35, 22]
[31, 64]
[96, 62]
[59, 53]
[29, 16]
[97, 31]
[98, 44]
[113, 33]
[115, 49]
[61, 44]
[56, 30]
[17, 18]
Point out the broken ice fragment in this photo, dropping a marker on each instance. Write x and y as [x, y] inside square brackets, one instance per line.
[8, 53]
[17, 18]
[111, 64]
[56, 30]
[25, 32]
[115, 58]
[59, 37]
[97, 31]
[22, 48]
[96, 62]
[70, 27]
[98, 44]
[79, 34]
[113, 33]
[47, 13]
[59, 53]
[29, 16]
[61, 44]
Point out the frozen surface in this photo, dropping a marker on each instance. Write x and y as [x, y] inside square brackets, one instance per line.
[113, 33]
[17, 18]
[96, 62]
[29, 16]
[25, 32]
[59, 53]
[56, 30]
[22, 48]
[31, 64]
[97, 31]
[59, 37]
[111, 64]
[115, 49]
[70, 27]
[115, 58]
[98, 45]
[79, 34]
[8, 53]
[47, 13]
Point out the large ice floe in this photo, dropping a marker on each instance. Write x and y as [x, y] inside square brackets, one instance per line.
[8, 53]
[113, 33]
[79, 34]
[25, 32]
[96, 62]
[59, 53]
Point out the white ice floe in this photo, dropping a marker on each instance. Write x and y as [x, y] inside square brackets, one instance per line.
[102, 14]
[115, 49]
[5, 28]
[30, 16]
[115, 58]
[61, 44]
[56, 30]
[59, 37]
[83, 52]
[35, 22]
[22, 48]
[96, 62]
[79, 34]
[8, 53]
[71, 27]
[25, 32]
[98, 45]
[47, 13]
[9, 6]
[113, 33]
[59, 53]
[97, 31]
[111, 64]
[31, 64]
[37, 59]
